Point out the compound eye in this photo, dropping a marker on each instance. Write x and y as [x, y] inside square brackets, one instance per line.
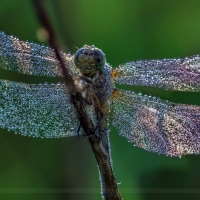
[77, 54]
[99, 58]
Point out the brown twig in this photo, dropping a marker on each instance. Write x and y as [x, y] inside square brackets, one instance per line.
[110, 188]
[44, 20]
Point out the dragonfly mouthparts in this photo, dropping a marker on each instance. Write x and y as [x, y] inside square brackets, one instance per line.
[89, 60]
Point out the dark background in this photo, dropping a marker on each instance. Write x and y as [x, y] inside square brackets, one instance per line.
[126, 31]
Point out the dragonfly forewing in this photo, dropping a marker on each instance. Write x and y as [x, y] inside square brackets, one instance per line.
[37, 110]
[31, 59]
[157, 125]
[169, 74]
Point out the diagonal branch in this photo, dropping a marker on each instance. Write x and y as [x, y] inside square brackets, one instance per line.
[44, 20]
[110, 188]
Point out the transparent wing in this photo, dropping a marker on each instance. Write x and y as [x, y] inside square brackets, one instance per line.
[31, 59]
[157, 125]
[41, 110]
[170, 74]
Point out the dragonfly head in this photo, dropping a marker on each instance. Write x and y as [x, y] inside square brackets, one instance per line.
[89, 60]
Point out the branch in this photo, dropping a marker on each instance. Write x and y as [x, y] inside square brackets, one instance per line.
[44, 20]
[110, 188]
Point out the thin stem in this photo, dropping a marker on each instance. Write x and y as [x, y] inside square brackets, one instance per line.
[100, 149]
[44, 20]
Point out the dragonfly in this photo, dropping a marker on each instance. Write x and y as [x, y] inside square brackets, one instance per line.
[46, 110]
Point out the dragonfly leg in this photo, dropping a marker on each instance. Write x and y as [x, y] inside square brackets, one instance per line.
[86, 97]
[83, 102]
[98, 112]
[79, 97]
[78, 130]
[95, 128]
[88, 80]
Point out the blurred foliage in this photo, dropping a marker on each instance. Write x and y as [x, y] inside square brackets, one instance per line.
[125, 31]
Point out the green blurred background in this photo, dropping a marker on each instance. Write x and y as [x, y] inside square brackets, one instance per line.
[125, 31]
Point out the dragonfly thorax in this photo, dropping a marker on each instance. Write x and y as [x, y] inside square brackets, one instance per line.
[89, 60]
